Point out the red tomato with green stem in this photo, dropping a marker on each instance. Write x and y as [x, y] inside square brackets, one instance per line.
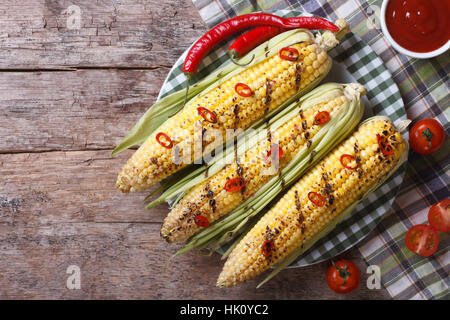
[426, 136]
[343, 276]
[439, 216]
[422, 239]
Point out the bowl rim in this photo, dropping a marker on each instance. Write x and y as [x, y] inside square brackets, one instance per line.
[399, 48]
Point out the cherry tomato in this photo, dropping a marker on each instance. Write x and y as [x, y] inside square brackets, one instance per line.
[439, 216]
[426, 136]
[343, 276]
[422, 239]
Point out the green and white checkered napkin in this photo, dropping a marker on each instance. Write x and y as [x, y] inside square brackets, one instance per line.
[424, 87]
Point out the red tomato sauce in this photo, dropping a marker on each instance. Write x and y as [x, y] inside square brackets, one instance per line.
[419, 25]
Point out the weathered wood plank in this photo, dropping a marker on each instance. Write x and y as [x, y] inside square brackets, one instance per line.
[60, 208]
[83, 110]
[40, 34]
[125, 260]
[80, 110]
[57, 187]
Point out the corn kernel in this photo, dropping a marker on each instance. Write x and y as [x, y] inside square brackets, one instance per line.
[296, 224]
[152, 161]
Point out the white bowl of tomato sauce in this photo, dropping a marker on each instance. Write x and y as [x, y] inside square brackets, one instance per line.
[417, 28]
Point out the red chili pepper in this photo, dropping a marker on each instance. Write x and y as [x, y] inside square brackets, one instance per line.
[321, 117]
[346, 159]
[236, 24]
[276, 150]
[201, 221]
[290, 54]
[167, 143]
[267, 248]
[234, 184]
[229, 27]
[385, 148]
[205, 113]
[225, 30]
[243, 90]
[251, 39]
[313, 23]
[317, 199]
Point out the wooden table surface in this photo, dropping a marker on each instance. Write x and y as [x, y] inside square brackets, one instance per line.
[67, 97]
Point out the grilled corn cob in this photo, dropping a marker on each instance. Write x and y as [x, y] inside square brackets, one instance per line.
[272, 82]
[211, 199]
[317, 199]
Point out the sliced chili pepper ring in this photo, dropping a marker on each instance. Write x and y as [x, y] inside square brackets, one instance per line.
[234, 184]
[290, 54]
[201, 221]
[321, 117]
[276, 151]
[316, 198]
[267, 248]
[167, 142]
[243, 90]
[207, 114]
[346, 159]
[385, 148]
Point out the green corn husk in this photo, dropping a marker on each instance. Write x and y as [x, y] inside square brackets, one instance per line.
[326, 139]
[244, 141]
[168, 106]
[341, 217]
[196, 176]
[176, 187]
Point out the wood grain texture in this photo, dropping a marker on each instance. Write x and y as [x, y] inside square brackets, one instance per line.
[126, 261]
[66, 98]
[60, 208]
[40, 34]
[83, 110]
[63, 187]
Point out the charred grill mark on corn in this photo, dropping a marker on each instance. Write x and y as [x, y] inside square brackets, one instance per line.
[231, 110]
[290, 137]
[297, 218]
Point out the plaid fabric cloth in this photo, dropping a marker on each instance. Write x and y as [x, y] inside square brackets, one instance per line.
[424, 85]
